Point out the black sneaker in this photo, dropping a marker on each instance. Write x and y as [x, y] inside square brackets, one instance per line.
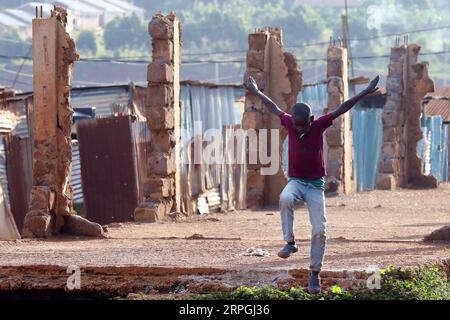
[287, 250]
[314, 282]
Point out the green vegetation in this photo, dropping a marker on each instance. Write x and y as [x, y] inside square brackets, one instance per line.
[86, 42]
[428, 283]
[223, 25]
[126, 33]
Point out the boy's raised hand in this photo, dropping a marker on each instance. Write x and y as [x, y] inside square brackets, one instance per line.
[250, 85]
[372, 87]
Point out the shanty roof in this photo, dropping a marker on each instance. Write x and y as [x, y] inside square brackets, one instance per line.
[105, 6]
[437, 103]
[7, 19]
[21, 15]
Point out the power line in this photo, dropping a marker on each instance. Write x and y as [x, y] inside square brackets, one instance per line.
[303, 45]
[129, 60]
[321, 43]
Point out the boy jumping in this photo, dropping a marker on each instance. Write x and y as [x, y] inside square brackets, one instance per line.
[306, 182]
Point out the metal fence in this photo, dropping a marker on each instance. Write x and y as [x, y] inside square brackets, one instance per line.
[433, 148]
[108, 169]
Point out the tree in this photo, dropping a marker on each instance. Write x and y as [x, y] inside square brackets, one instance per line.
[86, 42]
[126, 33]
[12, 44]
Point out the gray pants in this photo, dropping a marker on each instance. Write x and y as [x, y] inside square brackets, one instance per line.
[297, 192]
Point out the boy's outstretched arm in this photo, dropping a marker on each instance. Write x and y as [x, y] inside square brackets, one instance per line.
[348, 104]
[251, 86]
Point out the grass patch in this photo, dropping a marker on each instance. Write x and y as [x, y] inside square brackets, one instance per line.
[426, 283]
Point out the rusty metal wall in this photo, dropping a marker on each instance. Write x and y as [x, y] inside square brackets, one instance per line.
[141, 137]
[19, 177]
[108, 169]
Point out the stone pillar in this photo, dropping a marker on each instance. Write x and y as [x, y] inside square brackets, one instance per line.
[407, 83]
[339, 159]
[278, 75]
[53, 56]
[162, 191]
[417, 86]
[392, 166]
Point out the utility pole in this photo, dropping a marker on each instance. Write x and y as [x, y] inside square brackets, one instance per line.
[346, 33]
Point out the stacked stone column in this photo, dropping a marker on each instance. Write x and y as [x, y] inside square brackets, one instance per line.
[392, 165]
[162, 188]
[53, 56]
[406, 85]
[417, 86]
[339, 159]
[253, 114]
[278, 75]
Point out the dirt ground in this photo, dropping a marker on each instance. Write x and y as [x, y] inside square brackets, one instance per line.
[374, 228]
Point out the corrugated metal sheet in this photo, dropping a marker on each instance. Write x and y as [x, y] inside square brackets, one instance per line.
[106, 100]
[3, 172]
[6, 123]
[141, 137]
[21, 129]
[433, 148]
[316, 96]
[214, 108]
[367, 138]
[110, 186]
[437, 103]
[19, 184]
[75, 179]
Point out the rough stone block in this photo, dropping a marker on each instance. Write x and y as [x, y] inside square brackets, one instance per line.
[334, 168]
[394, 85]
[390, 134]
[291, 61]
[398, 54]
[42, 198]
[296, 79]
[37, 223]
[159, 95]
[391, 105]
[442, 234]
[255, 199]
[162, 49]
[161, 118]
[161, 164]
[395, 70]
[388, 149]
[252, 120]
[255, 59]
[160, 72]
[160, 27]
[335, 86]
[76, 225]
[257, 41]
[335, 153]
[390, 118]
[334, 137]
[144, 215]
[386, 182]
[162, 186]
[335, 67]
[334, 101]
[387, 165]
[162, 140]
